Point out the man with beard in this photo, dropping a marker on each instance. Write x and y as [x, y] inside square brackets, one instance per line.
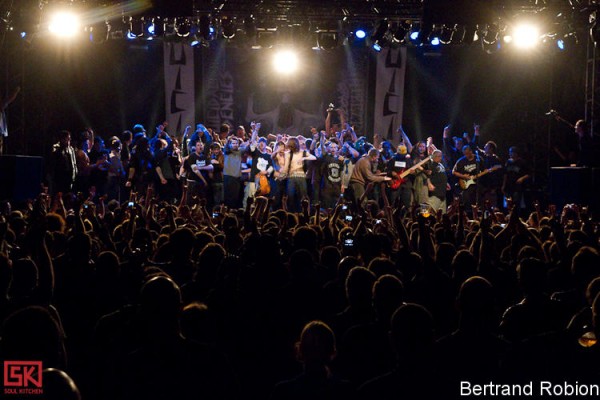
[331, 170]
[262, 163]
[198, 168]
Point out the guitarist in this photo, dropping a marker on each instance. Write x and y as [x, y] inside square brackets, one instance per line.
[467, 167]
[489, 185]
[400, 188]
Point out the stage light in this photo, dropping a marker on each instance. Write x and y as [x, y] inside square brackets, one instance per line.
[194, 43]
[435, 41]
[360, 34]
[228, 26]
[136, 28]
[447, 35]
[376, 47]
[23, 35]
[561, 44]
[508, 39]
[414, 35]
[400, 34]
[285, 62]
[526, 36]
[64, 24]
[491, 34]
[183, 27]
[151, 28]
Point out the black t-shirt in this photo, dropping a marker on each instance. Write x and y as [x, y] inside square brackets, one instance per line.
[492, 180]
[438, 178]
[198, 160]
[514, 170]
[466, 167]
[144, 164]
[260, 162]
[331, 169]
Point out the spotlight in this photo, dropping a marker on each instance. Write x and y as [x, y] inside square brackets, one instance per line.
[285, 62]
[376, 47]
[23, 35]
[414, 35]
[360, 34]
[400, 34]
[435, 41]
[64, 24]
[526, 36]
[228, 27]
[151, 28]
[194, 43]
[137, 28]
[567, 41]
[491, 34]
[183, 28]
[447, 34]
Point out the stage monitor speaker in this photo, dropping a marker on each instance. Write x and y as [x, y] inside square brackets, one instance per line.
[20, 177]
[570, 185]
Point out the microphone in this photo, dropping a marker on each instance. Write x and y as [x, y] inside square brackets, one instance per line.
[551, 112]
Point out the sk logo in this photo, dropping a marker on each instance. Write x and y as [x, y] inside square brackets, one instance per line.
[23, 374]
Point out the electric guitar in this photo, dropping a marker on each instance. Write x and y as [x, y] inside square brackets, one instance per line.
[465, 183]
[399, 180]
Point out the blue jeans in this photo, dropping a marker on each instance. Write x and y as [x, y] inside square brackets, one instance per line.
[296, 190]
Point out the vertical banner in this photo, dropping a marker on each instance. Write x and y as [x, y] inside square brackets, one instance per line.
[179, 86]
[389, 93]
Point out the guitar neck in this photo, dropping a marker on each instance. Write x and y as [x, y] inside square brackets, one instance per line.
[408, 171]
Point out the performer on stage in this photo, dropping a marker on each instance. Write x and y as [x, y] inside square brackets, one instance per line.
[62, 166]
[489, 185]
[466, 170]
[362, 174]
[589, 146]
[437, 182]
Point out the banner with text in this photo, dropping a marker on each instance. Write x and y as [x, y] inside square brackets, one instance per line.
[389, 93]
[179, 86]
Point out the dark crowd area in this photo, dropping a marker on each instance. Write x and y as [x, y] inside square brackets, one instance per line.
[150, 300]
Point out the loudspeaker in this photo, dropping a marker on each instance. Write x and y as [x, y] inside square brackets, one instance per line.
[570, 185]
[20, 177]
